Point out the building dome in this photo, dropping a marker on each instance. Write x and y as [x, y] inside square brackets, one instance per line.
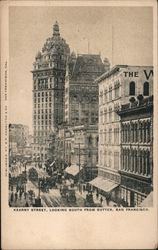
[53, 46]
[56, 29]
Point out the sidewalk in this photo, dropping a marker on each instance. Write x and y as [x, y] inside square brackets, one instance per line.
[95, 199]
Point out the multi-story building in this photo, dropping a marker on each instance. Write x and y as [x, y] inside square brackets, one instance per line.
[81, 91]
[115, 88]
[18, 140]
[136, 150]
[78, 145]
[85, 150]
[19, 134]
[48, 91]
[81, 111]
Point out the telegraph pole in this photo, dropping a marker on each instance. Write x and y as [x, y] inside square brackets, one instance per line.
[79, 163]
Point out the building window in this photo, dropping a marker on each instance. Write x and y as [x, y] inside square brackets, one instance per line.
[116, 160]
[105, 158]
[132, 88]
[110, 158]
[105, 116]
[101, 136]
[110, 135]
[116, 135]
[101, 117]
[116, 91]
[105, 136]
[105, 95]
[97, 139]
[110, 114]
[110, 93]
[146, 89]
[101, 97]
[101, 158]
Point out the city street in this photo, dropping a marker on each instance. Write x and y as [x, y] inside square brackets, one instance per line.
[50, 198]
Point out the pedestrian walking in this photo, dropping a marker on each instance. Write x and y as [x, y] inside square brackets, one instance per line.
[107, 199]
[97, 195]
[12, 197]
[25, 194]
[26, 204]
[101, 200]
[16, 196]
[20, 195]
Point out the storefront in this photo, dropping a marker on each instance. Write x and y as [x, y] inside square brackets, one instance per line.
[133, 191]
[105, 187]
[73, 172]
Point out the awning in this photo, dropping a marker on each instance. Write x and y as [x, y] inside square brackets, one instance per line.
[52, 164]
[148, 201]
[72, 170]
[103, 184]
[27, 156]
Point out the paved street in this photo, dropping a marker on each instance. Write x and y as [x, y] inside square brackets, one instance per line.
[51, 198]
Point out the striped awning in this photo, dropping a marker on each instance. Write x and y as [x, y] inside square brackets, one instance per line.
[73, 170]
[103, 184]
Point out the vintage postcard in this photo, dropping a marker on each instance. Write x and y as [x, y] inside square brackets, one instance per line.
[79, 135]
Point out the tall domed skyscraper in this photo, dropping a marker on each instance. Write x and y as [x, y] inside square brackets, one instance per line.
[48, 90]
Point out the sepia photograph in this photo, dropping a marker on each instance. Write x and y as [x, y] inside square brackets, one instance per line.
[79, 124]
[80, 107]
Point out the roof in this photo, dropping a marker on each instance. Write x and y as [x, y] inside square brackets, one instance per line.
[115, 69]
[73, 170]
[110, 72]
[87, 67]
[144, 106]
[103, 184]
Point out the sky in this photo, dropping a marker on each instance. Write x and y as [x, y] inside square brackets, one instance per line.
[130, 43]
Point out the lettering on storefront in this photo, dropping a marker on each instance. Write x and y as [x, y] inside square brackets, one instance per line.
[131, 74]
[148, 74]
[135, 73]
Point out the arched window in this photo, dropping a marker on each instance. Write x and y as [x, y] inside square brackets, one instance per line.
[132, 88]
[146, 89]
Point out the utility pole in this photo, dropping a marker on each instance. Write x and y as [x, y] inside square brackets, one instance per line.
[79, 163]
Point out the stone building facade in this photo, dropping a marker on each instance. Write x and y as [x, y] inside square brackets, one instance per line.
[115, 88]
[85, 150]
[136, 150]
[18, 140]
[48, 91]
[78, 145]
[19, 134]
[81, 110]
[81, 91]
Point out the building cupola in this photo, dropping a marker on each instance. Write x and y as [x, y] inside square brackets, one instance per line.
[56, 29]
